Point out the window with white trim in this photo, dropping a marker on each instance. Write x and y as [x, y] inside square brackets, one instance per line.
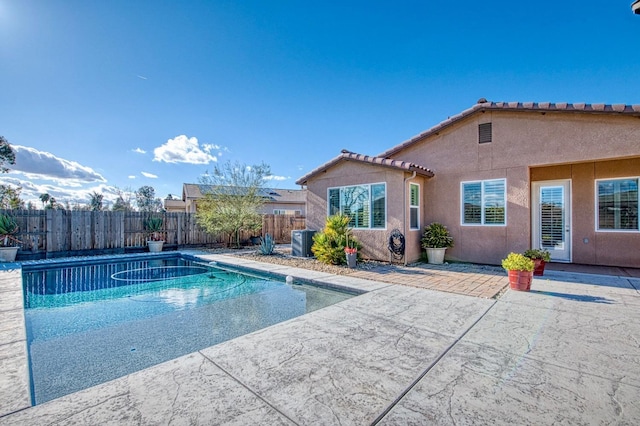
[286, 212]
[365, 204]
[484, 202]
[414, 206]
[617, 204]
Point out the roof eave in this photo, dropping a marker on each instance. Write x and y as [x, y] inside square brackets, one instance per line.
[541, 107]
[364, 159]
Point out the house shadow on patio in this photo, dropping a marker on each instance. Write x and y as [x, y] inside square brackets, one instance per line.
[577, 297]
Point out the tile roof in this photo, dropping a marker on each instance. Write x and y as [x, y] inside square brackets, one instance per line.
[484, 105]
[378, 161]
[192, 190]
[635, 6]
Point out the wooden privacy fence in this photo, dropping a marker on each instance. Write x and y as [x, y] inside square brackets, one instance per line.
[54, 233]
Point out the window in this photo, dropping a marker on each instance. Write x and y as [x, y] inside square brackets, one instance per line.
[287, 212]
[414, 206]
[484, 202]
[365, 204]
[617, 204]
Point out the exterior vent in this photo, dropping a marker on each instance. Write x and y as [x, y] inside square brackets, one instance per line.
[484, 133]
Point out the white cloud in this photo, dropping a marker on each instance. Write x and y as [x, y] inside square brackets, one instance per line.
[36, 164]
[183, 149]
[273, 177]
[31, 192]
[149, 175]
[132, 176]
[140, 151]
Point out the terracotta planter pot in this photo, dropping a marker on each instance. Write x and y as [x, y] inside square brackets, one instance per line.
[539, 269]
[520, 280]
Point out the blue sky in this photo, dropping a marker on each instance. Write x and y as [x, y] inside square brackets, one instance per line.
[102, 94]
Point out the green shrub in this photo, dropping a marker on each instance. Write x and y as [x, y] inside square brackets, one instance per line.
[328, 245]
[538, 254]
[436, 235]
[517, 262]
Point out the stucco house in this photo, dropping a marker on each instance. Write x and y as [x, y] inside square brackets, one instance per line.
[502, 176]
[277, 201]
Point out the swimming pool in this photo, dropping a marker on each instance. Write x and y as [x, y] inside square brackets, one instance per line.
[90, 323]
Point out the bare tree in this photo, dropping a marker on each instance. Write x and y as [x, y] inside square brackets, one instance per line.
[147, 201]
[123, 201]
[232, 199]
[95, 204]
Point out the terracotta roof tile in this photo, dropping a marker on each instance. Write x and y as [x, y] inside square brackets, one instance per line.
[346, 155]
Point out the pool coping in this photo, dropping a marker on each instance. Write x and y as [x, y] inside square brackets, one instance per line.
[15, 382]
[397, 355]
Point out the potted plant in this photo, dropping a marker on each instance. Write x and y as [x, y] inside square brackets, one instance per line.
[540, 258]
[352, 255]
[520, 271]
[153, 226]
[436, 240]
[8, 248]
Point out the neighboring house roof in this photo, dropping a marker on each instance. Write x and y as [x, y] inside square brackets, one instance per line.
[366, 159]
[172, 203]
[484, 105]
[196, 191]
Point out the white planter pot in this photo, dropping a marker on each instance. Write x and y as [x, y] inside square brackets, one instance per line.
[435, 255]
[155, 246]
[8, 254]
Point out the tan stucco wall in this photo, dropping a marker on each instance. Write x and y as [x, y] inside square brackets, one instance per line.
[374, 241]
[523, 142]
[591, 246]
[520, 141]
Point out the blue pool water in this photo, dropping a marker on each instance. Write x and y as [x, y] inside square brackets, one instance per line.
[87, 324]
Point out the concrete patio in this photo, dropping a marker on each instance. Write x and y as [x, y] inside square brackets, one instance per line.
[566, 352]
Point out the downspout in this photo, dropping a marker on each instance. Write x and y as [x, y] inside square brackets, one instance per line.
[404, 214]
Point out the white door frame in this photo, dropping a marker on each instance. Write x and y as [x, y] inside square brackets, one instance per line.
[561, 250]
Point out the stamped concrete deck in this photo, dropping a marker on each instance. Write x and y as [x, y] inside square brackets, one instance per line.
[567, 352]
[461, 278]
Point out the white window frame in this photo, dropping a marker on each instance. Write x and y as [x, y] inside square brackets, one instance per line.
[482, 202]
[414, 207]
[368, 185]
[597, 205]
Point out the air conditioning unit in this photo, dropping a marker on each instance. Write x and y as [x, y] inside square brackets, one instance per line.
[301, 242]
